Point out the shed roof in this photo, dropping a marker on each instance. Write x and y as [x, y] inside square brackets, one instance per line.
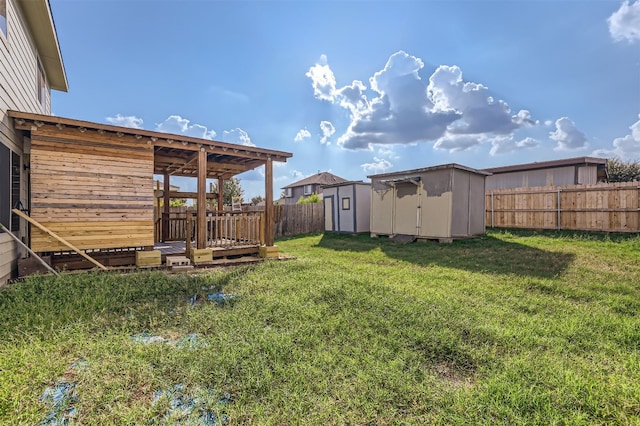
[577, 161]
[322, 178]
[428, 169]
[37, 14]
[346, 183]
[176, 155]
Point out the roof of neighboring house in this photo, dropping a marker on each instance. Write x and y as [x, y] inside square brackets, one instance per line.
[322, 178]
[428, 169]
[37, 14]
[578, 161]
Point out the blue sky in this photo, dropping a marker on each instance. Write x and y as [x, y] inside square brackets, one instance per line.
[359, 88]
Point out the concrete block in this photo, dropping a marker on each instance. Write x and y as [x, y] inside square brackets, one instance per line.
[173, 261]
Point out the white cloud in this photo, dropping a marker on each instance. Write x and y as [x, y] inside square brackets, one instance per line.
[379, 165]
[480, 112]
[301, 135]
[508, 144]
[126, 121]
[458, 142]
[567, 135]
[322, 80]
[626, 147]
[327, 131]
[387, 151]
[624, 24]
[405, 109]
[238, 136]
[178, 125]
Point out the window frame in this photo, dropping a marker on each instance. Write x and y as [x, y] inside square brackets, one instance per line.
[288, 192]
[346, 203]
[41, 84]
[5, 185]
[308, 191]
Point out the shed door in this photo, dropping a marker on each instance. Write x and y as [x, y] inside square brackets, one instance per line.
[407, 209]
[329, 224]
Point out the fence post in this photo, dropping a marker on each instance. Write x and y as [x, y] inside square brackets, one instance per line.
[492, 223]
[559, 226]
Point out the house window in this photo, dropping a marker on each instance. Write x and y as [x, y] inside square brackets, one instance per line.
[308, 189]
[288, 192]
[42, 85]
[3, 17]
[346, 203]
[5, 190]
[15, 189]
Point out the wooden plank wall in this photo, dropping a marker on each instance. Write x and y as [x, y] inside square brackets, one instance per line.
[612, 207]
[96, 191]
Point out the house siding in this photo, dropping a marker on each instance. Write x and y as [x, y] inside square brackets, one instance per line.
[18, 91]
[568, 175]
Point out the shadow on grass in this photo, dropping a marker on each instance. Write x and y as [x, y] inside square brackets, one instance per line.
[482, 254]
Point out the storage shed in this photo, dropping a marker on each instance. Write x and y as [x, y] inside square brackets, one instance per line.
[440, 202]
[347, 207]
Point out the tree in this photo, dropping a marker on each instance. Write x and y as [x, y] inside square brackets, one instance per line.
[313, 198]
[177, 202]
[257, 200]
[621, 171]
[231, 190]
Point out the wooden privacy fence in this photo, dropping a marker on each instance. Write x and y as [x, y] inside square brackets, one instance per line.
[612, 207]
[294, 219]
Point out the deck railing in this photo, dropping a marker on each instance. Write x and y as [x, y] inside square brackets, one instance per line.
[234, 229]
[224, 230]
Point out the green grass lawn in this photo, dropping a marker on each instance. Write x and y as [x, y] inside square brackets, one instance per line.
[510, 328]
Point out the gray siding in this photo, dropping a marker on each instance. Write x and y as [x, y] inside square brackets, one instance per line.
[297, 192]
[18, 91]
[543, 177]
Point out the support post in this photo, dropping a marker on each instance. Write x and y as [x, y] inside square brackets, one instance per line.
[220, 195]
[201, 221]
[268, 208]
[165, 207]
[187, 248]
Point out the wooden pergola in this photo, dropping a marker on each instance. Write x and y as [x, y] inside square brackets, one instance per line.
[143, 152]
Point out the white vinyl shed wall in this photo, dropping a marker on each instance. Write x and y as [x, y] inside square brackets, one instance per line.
[347, 207]
[437, 202]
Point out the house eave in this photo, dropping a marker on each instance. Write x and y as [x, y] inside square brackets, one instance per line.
[37, 14]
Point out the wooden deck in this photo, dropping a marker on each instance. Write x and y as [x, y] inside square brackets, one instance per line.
[175, 248]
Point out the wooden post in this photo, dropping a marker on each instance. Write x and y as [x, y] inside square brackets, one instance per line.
[165, 208]
[157, 226]
[268, 208]
[187, 248]
[220, 195]
[201, 221]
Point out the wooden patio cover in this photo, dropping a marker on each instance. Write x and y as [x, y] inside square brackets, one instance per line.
[173, 155]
